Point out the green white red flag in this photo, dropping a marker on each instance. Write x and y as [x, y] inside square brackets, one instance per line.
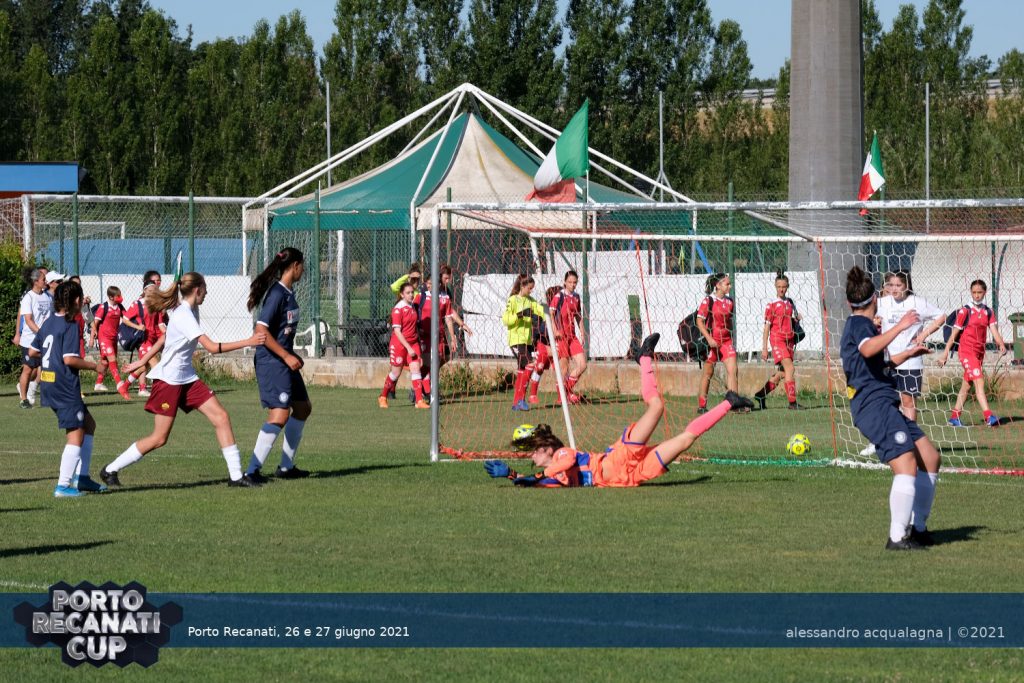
[568, 159]
[873, 178]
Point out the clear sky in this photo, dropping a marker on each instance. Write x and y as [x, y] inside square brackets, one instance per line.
[765, 23]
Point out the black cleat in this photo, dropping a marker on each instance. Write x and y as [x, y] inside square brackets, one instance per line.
[258, 478]
[701, 410]
[739, 403]
[25, 404]
[109, 478]
[647, 347]
[907, 543]
[292, 473]
[796, 406]
[412, 396]
[761, 402]
[244, 482]
[923, 538]
[391, 394]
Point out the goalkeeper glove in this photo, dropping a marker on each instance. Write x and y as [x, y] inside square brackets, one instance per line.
[498, 469]
[526, 481]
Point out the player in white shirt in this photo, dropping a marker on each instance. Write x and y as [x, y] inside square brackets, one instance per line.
[36, 306]
[175, 383]
[899, 300]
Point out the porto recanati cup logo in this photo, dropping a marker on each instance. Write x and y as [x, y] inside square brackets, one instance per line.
[100, 624]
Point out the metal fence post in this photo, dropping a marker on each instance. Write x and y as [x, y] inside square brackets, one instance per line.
[74, 235]
[315, 280]
[192, 232]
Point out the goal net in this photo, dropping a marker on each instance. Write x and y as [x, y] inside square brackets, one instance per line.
[644, 268]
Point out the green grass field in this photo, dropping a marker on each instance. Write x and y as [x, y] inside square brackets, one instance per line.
[377, 516]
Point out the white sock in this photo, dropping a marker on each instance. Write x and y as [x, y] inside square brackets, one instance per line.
[86, 456]
[68, 463]
[901, 504]
[131, 455]
[33, 387]
[292, 437]
[534, 377]
[924, 495]
[264, 443]
[394, 375]
[233, 458]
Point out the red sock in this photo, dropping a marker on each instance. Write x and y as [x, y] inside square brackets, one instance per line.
[570, 382]
[648, 384]
[426, 386]
[534, 387]
[114, 373]
[791, 391]
[522, 377]
[956, 414]
[988, 414]
[702, 401]
[142, 385]
[417, 386]
[389, 384]
[99, 374]
[708, 419]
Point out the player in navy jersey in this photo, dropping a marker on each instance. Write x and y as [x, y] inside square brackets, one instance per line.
[875, 406]
[282, 389]
[57, 346]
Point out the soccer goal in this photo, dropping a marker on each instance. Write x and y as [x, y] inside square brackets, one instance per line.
[643, 268]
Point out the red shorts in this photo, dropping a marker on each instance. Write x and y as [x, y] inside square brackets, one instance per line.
[567, 348]
[972, 367]
[108, 346]
[145, 347]
[627, 463]
[398, 355]
[724, 351]
[781, 349]
[542, 356]
[444, 354]
[166, 399]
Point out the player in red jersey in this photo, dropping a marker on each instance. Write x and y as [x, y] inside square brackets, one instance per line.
[156, 327]
[717, 309]
[627, 462]
[404, 350]
[779, 316]
[109, 316]
[568, 318]
[972, 325]
[80, 318]
[542, 357]
[448, 319]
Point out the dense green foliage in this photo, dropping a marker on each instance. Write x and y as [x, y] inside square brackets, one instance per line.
[119, 87]
[12, 287]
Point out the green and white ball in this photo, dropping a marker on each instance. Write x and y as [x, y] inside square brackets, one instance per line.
[798, 445]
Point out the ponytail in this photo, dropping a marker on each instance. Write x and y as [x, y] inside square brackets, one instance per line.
[712, 282]
[271, 274]
[160, 300]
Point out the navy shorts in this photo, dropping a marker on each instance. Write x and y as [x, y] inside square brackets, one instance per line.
[885, 426]
[29, 360]
[909, 381]
[280, 386]
[71, 416]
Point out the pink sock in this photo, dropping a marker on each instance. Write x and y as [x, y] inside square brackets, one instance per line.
[791, 391]
[708, 419]
[648, 385]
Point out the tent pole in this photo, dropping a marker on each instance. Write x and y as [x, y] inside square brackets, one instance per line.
[423, 178]
[435, 117]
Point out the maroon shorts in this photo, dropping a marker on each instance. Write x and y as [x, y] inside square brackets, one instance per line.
[165, 399]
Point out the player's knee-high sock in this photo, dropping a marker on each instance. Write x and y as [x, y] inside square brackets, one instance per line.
[570, 383]
[768, 387]
[648, 384]
[522, 377]
[233, 458]
[114, 372]
[30, 394]
[924, 495]
[85, 455]
[708, 419]
[101, 369]
[68, 463]
[389, 383]
[417, 386]
[426, 385]
[702, 401]
[901, 504]
[292, 437]
[791, 391]
[264, 444]
[131, 455]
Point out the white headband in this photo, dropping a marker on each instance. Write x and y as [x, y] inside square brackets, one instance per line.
[864, 303]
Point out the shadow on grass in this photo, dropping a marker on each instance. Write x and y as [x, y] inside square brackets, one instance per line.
[362, 469]
[2, 510]
[46, 549]
[957, 534]
[1010, 420]
[8, 482]
[164, 487]
[685, 482]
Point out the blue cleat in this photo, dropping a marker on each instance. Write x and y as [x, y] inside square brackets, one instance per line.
[66, 492]
[87, 485]
[955, 422]
[521, 405]
[992, 421]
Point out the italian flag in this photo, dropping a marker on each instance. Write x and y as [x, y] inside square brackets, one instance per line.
[568, 159]
[177, 268]
[873, 178]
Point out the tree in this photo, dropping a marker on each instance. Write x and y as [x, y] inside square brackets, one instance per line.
[10, 85]
[441, 40]
[39, 106]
